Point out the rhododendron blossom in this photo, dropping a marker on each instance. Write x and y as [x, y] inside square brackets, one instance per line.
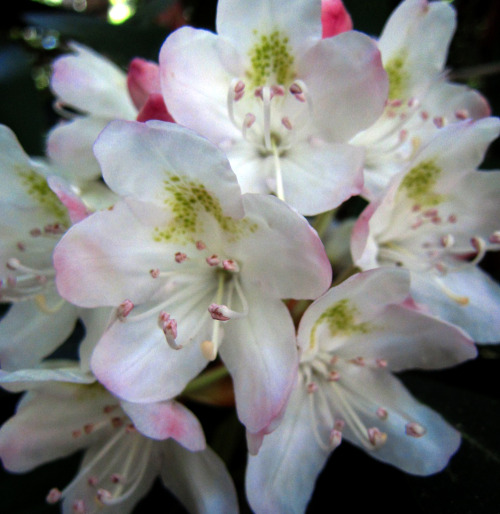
[193, 268]
[279, 100]
[119, 464]
[438, 218]
[352, 338]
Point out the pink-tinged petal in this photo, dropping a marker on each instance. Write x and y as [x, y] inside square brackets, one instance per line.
[27, 334]
[319, 177]
[77, 209]
[196, 69]
[134, 361]
[265, 338]
[266, 16]
[138, 160]
[154, 109]
[98, 261]
[49, 424]
[414, 44]
[419, 455]
[334, 18]
[296, 262]
[479, 311]
[281, 477]
[92, 84]
[169, 419]
[364, 248]
[199, 480]
[346, 66]
[69, 145]
[143, 79]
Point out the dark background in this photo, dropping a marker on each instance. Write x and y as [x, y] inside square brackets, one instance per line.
[467, 396]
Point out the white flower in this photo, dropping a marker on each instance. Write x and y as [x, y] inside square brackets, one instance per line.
[56, 418]
[279, 100]
[438, 218]
[352, 339]
[414, 45]
[193, 268]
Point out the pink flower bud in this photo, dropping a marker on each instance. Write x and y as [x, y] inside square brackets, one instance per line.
[334, 18]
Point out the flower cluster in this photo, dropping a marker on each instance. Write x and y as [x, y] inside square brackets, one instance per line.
[185, 214]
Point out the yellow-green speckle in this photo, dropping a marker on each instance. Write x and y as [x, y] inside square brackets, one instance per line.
[189, 201]
[340, 318]
[36, 186]
[398, 77]
[419, 184]
[271, 60]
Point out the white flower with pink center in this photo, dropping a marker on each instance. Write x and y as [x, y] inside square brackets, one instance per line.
[438, 218]
[279, 100]
[193, 269]
[352, 339]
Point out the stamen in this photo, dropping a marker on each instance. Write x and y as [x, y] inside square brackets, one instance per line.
[447, 241]
[376, 437]
[335, 438]
[280, 192]
[461, 114]
[480, 247]
[124, 309]
[312, 387]
[209, 350]
[155, 273]
[200, 245]
[104, 496]
[285, 121]
[230, 265]
[54, 496]
[213, 260]
[495, 237]
[93, 481]
[414, 429]
[438, 121]
[248, 121]
[217, 312]
[266, 99]
[169, 327]
[180, 257]
[382, 413]
[239, 90]
[79, 507]
[461, 300]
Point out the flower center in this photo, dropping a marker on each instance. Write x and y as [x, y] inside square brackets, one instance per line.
[338, 399]
[270, 118]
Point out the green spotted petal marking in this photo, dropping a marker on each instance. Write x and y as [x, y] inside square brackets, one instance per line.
[341, 320]
[398, 76]
[271, 60]
[36, 186]
[419, 184]
[189, 201]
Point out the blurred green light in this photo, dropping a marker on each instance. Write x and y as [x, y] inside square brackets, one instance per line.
[120, 11]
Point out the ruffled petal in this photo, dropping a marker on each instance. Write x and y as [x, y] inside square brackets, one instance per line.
[141, 159]
[101, 81]
[196, 69]
[165, 420]
[296, 265]
[347, 66]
